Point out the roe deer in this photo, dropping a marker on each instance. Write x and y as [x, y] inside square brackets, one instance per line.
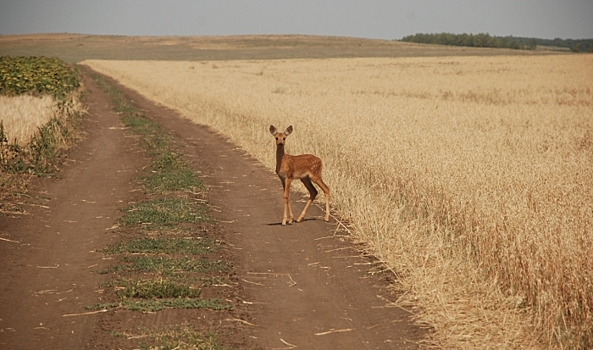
[305, 167]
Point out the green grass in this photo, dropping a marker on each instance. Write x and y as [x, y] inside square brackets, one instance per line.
[168, 266]
[164, 212]
[152, 289]
[171, 174]
[161, 304]
[176, 337]
[153, 138]
[164, 246]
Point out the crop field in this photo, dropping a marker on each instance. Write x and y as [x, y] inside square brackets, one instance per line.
[471, 177]
[23, 115]
[29, 90]
[39, 106]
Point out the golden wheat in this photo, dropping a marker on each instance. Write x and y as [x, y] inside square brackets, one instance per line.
[471, 177]
[23, 115]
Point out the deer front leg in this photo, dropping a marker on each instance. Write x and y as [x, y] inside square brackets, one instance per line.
[287, 208]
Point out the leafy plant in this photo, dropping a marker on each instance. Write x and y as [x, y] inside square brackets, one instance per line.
[37, 75]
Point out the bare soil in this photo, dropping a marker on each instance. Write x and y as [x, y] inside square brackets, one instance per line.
[298, 286]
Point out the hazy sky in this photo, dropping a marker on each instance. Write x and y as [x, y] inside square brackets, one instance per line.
[381, 19]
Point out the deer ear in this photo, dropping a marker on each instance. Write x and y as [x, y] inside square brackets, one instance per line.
[288, 130]
[273, 130]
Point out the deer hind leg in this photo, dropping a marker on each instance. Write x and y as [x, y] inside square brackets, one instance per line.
[312, 194]
[287, 208]
[325, 190]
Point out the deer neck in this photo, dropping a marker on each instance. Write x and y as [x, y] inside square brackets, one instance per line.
[279, 156]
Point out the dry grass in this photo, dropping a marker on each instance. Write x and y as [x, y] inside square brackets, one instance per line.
[472, 177]
[23, 115]
[37, 129]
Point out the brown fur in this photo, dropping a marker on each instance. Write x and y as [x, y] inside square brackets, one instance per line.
[305, 167]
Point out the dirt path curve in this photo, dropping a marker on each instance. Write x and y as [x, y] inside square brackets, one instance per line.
[301, 286]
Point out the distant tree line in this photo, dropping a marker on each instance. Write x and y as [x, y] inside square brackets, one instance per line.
[510, 42]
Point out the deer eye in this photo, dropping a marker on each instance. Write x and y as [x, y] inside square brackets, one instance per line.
[276, 137]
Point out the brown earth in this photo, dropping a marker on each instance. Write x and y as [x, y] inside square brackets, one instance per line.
[304, 285]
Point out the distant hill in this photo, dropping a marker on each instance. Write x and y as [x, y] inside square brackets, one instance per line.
[73, 48]
[510, 42]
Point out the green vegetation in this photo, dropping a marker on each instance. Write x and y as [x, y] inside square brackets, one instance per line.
[36, 75]
[161, 304]
[164, 265]
[165, 246]
[167, 266]
[164, 212]
[159, 289]
[575, 45]
[510, 42]
[170, 174]
[176, 337]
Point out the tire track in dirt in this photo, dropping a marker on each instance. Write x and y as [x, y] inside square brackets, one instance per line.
[305, 288]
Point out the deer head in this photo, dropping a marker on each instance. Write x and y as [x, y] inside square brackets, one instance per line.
[280, 136]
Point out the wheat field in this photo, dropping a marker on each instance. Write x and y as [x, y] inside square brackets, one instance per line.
[470, 177]
[23, 115]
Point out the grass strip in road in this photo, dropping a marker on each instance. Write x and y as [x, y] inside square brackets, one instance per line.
[167, 266]
[164, 212]
[152, 289]
[177, 245]
[170, 173]
[161, 304]
[182, 336]
[164, 265]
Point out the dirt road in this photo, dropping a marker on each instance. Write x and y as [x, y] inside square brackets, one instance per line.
[300, 286]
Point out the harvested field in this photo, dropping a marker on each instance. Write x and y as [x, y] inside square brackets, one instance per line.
[469, 176]
[76, 47]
